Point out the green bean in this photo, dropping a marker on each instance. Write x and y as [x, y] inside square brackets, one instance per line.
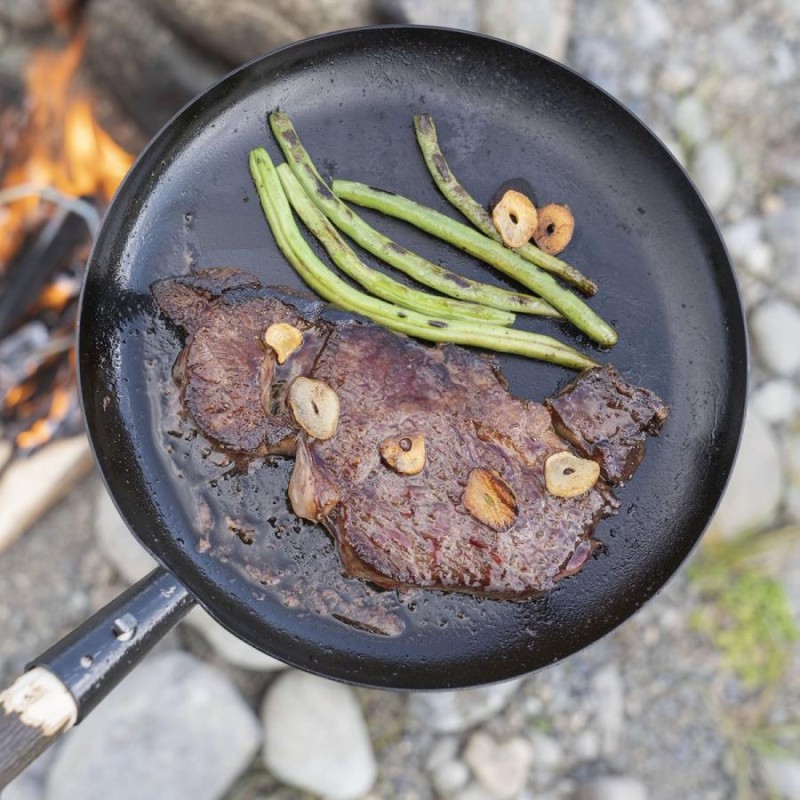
[333, 289]
[420, 269]
[373, 281]
[461, 199]
[476, 244]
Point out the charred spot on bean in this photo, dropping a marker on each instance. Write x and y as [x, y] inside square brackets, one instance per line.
[425, 123]
[437, 323]
[322, 190]
[382, 191]
[402, 315]
[441, 166]
[291, 138]
[396, 248]
[456, 279]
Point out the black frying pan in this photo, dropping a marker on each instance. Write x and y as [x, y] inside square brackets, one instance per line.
[502, 112]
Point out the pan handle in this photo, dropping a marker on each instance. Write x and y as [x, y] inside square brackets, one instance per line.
[70, 678]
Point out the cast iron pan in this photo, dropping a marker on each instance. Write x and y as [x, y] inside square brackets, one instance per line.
[502, 112]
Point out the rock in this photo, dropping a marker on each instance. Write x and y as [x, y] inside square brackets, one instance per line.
[613, 787]
[450, 776]
[462, 14]
[783, 776]
[500, 767]
[691, 120]
[450, 712]
[774, 325]
[117, 543]
[748, 247]
[316, 737]
[175, 728]
[715, 174]
[586, 746]
[754, 489]
[777, 401]
[609, 700]
[541, 25]
[548, 754]
[651, 24]
[475, 792]
[229, 647]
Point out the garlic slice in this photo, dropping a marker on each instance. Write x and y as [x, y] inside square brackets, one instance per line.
[284, 339]
[515, 218]
[490, 499]
[315, 407]
[566, 475]
[404, 454]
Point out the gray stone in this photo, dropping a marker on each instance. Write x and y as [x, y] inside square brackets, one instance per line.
[450, 776]
[229, 647]
[776, 401]
[613, 787]
[783, 776]
[586, 746]
[651, 24]
[714, 173]
[475, 792]
[175, 728]
[450, 712]
[754, 490]
[500, 767]
[117, 543]
[541, 25]
[316, 737]
[462, 14]
[748, 247]
[608, 691]
[775, 326]
[548, 754]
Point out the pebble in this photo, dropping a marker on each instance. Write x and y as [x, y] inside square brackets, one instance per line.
[747, 246]
[715, 174]
[608, 692]
[783, 775]
[586, 746]
[776, 401]
[541, 25]
[462, 14]
[651, 24]
[229, 647]
[548, 754]
[450, 776]
[613, 787]
[451, 712]
[754, 490]
[316, 738]
[775, 326]
[174, 728]
[691, 120]
[500, 767]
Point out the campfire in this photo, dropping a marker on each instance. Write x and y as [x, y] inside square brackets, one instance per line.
[58, 170]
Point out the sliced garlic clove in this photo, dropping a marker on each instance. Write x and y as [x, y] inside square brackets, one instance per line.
[566, 475]
[315, 407]
[490, 499]
[515, 218]
[404, 454]
[284, 339]
[554, 229]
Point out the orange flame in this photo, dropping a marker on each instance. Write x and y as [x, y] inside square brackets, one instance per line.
[63, 146]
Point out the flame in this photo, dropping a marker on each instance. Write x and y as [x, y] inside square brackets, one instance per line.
[63, 146]
[43, 430]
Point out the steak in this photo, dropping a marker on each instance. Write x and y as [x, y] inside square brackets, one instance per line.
[395, 527]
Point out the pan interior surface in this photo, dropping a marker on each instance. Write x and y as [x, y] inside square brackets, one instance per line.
[225, 528]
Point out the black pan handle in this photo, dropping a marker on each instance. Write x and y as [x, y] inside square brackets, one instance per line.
[70, 678]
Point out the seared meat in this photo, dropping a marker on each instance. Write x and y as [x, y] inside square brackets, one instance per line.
[476, 447]
[607, 419]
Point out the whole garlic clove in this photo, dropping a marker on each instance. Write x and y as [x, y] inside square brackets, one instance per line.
[284, 339]
[490, 499]
[315, 407]
[566, 475]
[404, 454]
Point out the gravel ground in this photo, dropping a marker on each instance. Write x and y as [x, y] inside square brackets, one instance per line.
[649, 713]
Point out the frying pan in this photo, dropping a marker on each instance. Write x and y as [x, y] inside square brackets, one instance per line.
[502, 112]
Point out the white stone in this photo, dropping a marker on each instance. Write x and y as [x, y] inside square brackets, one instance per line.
[475, 792]
[175, 728]
[229, 647]
[775, 326]
[462, 14]
[587, 746]
[650, 22]
[451, 712]
[748, 247]
[755, 486]
[548, 754]
[609, 700]
[614, 787]
[117, 543]
[316, 738]
[500, 767]
[541, 25]
[783, 775]
[777, 401]
[691, 120]
[450, 776]
[715, 174]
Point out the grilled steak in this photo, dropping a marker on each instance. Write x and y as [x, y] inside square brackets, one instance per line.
[475, 513]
